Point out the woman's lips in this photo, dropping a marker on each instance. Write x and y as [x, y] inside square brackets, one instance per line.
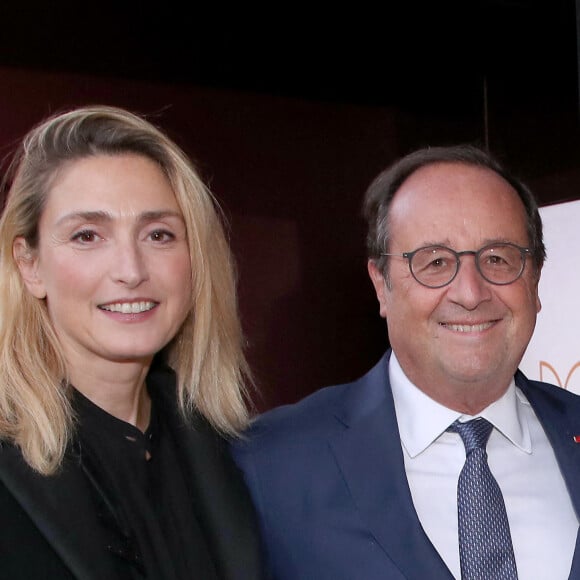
[135, 307]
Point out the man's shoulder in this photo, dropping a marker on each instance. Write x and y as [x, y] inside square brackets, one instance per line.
[319, 414]
[546, 391]
[291, 435]
[312, 413]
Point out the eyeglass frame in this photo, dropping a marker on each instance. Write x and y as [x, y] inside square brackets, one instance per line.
[524, 252]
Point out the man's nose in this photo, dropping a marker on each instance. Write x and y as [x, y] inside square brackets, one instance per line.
[469, 288]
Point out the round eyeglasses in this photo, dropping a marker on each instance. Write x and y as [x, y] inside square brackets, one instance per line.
[437, 266]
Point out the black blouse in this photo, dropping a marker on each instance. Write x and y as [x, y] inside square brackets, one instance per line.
[142, 495]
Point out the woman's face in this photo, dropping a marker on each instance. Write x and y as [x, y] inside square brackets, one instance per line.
[112, 261]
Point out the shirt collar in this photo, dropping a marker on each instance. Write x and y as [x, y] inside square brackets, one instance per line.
[422, 420]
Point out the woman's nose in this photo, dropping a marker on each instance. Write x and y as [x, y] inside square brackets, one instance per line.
[128, 264]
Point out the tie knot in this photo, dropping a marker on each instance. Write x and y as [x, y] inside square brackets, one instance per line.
[474, 433]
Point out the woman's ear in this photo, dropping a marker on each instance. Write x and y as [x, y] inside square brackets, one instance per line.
[28, 265]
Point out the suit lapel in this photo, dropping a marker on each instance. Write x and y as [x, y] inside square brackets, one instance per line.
[61, 507]
[222, 502]
[368, 423]
[367, 446]
[559, 414]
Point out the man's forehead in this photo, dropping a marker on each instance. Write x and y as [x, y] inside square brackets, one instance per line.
[440, 200]
[446, 182]
[450, 170]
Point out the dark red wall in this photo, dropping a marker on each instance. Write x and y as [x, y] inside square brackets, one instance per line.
[290, 175]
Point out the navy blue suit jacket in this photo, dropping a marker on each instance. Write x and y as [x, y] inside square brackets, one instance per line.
[328, 480]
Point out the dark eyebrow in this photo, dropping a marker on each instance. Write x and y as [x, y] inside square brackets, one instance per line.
[486, 242]
[103, 216]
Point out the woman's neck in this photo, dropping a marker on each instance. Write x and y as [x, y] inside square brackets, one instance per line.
[119, 389]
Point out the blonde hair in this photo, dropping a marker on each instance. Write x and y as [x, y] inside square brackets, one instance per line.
[206, 354]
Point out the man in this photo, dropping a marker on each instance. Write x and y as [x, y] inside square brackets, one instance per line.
[366, 480]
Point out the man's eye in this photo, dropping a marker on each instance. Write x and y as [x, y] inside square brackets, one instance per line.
[495, 259]
[498, 261]
[438, 263]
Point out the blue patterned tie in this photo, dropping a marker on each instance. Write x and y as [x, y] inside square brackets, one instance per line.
[485, 544]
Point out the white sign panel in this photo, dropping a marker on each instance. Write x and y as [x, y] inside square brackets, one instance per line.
[553, 354]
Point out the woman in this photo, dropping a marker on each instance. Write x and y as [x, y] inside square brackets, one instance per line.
[123, 366]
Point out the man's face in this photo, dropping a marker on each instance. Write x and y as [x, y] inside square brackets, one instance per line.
[462, 343]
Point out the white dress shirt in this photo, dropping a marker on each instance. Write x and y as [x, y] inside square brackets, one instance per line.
[542, 520]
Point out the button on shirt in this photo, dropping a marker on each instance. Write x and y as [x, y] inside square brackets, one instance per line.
[542, 520]
[141, 477]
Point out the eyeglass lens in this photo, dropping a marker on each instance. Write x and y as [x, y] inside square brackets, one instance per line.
[436, 266]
